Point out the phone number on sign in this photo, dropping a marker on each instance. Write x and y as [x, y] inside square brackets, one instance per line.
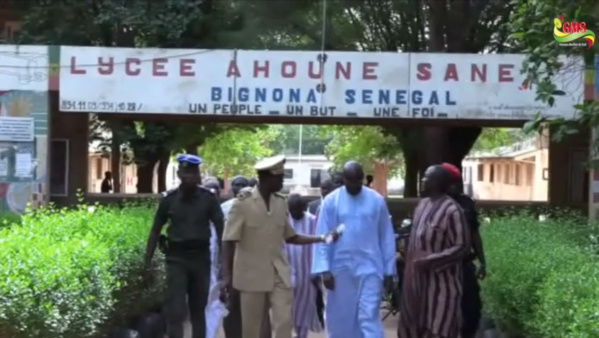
[66, 105]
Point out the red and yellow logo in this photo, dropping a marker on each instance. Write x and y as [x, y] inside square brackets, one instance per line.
[567, 33]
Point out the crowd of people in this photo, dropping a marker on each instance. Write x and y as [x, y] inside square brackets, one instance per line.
[263, 263]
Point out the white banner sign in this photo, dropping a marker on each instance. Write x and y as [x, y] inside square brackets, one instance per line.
[23, 67]
[291, 83]
[16, 129]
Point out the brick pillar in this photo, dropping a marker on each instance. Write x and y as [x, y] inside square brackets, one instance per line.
[564, 186]
[381, 173]
[592, 80]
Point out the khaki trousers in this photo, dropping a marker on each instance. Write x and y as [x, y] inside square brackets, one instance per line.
[279, 300]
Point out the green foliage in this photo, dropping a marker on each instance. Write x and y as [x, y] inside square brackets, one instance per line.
[493, 138]
[531, 26]
[143, 23]
[235, 151]
[365, 144]
[70, 273]
[9, 218]
[377, 25]
[175, 24]
[543, 277]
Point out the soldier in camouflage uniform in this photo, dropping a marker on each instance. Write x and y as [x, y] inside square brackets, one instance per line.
[188, 209]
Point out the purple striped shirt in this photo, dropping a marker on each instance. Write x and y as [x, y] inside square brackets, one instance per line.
[305, 315]
[432, 290]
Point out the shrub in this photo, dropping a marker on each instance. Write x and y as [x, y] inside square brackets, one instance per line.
[8, 219]
[64, 273]
[543, 277]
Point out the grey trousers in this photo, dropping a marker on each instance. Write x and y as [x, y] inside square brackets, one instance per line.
[187, 288]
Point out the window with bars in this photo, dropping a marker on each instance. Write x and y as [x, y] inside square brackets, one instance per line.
[480, 172]
[288, 174]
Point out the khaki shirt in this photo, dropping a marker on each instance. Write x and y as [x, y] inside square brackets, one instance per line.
[260, 237]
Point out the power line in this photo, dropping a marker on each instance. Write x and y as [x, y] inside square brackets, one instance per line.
[178, 56]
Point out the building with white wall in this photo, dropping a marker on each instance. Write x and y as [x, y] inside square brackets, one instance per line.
[518, 172]
[303, 174]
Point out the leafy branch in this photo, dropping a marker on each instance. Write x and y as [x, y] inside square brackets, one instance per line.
[530, 27]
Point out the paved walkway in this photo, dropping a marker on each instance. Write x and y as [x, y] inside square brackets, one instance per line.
[390, 330]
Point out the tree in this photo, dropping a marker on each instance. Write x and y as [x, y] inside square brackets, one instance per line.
[365, 144]
[408, 26]
[235, 151]
[493, 138]
[454, 27]
[182, 24]
[369, 144]
[529, 27]
[373, 25]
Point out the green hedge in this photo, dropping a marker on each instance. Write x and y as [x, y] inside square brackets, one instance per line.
[75, 273]
[64, 273]
[8, 219]
[543, 277]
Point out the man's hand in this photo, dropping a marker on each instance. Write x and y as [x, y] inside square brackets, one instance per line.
[226, 290]
[227, 279]
[421, 264]
[224, 295]
[227, 296]
[335, 236]
[328, 281]
[481, 273]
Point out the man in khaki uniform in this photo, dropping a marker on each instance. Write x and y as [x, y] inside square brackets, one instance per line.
[253, 256]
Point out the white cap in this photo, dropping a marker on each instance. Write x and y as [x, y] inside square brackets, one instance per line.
[274, 164]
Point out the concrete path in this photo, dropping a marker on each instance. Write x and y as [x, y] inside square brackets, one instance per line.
[390, 330]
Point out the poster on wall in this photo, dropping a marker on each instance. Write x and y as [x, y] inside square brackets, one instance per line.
[20, 180]
[297, 84]
[16, 129]
[23, 127]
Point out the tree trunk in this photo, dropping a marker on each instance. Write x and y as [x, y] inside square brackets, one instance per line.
[436, 148]
[409, 141]
[162, 167]
[145, 177]
[410, 188]
[448, 144]
[461, 139]
[193, 150]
